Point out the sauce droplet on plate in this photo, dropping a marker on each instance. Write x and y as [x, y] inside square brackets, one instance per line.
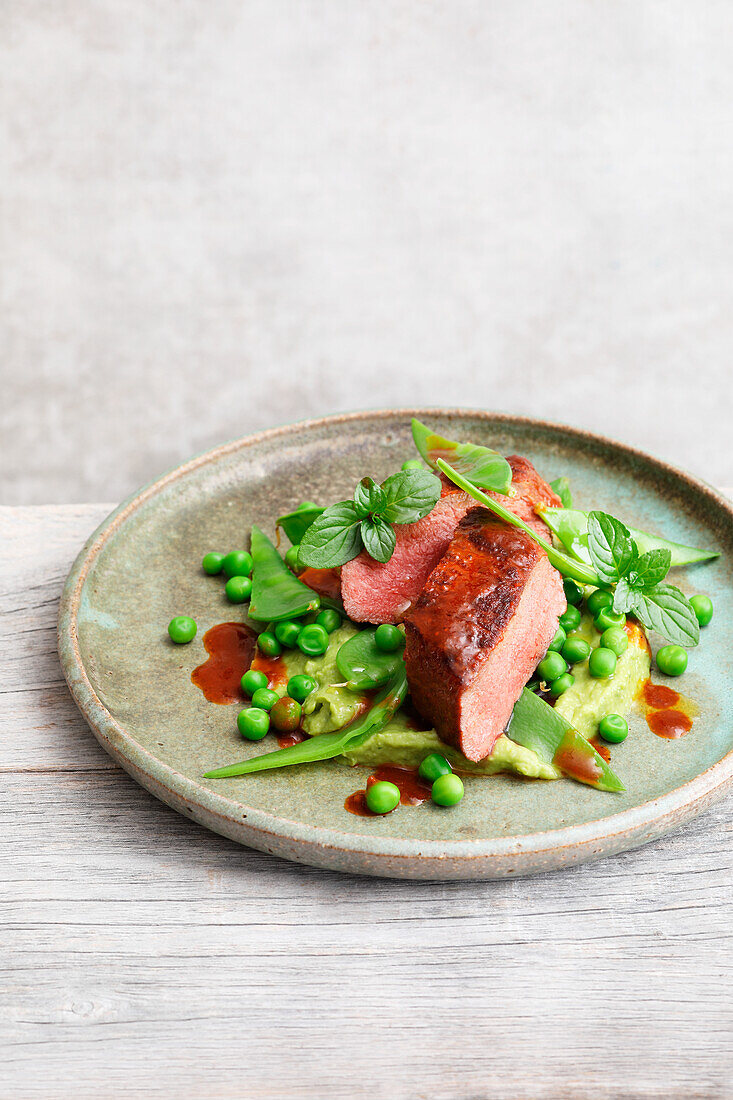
[411, 787]
[230, 647]
[669, 723]
[668, 714]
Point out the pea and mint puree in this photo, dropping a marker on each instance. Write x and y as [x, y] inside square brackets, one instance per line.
[331, 706]
[398, 744]
[589, 700]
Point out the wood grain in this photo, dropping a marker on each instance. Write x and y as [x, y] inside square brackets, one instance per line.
[142, 955]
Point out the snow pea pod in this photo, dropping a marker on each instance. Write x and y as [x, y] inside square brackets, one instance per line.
[482, 465]
[276, 593]
[327, 745]
[565, 565]
[363, 664]
[571, 528]
[538, 726]
[295, 524]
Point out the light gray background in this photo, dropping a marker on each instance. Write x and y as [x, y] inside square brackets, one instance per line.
[226, 214]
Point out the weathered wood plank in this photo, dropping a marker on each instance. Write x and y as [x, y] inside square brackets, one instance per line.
[123, 922]
[144, 956]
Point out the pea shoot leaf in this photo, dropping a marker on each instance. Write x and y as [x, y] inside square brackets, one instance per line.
[379, 538]
[612, 550]
[482, 466]
[332, 539]
[410, 495]
[561, 486]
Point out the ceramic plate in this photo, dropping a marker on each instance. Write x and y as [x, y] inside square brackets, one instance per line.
[142, 566]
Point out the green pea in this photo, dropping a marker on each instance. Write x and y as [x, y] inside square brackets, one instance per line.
[389, 638]
[300, 687]
[291, 557]
[287, 633]
[433, 766]
[561, 684]
[306, 504]
[613, 728]
[252, 680]
[703, 608]
[607, 617]
[253, 723]
[182, 629]
[575, 650]
[329, 619]
[573, 591]
[570, 619]
[285, 715]
[413, 464]
[264, 698]
[602, 663]
[447, 790]
[238, 589]
[558, 641]
[672, 660]
[212, 563]
[551, 666]
[598, 599]
[269, 644]
[382, 797]
[237, 564]
[616, 639]
[313, 640]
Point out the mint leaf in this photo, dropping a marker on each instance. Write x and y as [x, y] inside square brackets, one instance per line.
[332, 539]
[410, 495]
[480, 465]
[379, 538]
[650, 568]
[368, 497]
[561, 486]
[668, 611]
[611, 547]
[624, 598]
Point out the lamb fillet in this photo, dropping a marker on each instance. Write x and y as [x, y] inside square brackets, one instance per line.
[485, 617]
[377, 592]
[381, 593]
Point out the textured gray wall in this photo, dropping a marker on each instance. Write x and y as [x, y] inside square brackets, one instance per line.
[225, 214]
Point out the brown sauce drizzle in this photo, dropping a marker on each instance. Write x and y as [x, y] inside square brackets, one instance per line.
[668, 714]
[230, 647]
[287, 740]
[601, 748]
[274, 669]
[326, 582]
[412, 789]
[570, 760]
[669, 723]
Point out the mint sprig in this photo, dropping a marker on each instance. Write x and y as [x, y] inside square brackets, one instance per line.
[340, 533]
[638, 579]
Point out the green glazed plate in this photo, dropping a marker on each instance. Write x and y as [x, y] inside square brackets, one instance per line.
[142, 567]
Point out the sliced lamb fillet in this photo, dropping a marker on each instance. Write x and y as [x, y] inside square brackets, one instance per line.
[377, 592]
[381, 593]
[485, 617]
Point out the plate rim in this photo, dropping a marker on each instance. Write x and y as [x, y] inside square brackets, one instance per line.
[326, 847]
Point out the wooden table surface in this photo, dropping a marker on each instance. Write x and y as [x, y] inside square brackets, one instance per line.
[144, 956]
